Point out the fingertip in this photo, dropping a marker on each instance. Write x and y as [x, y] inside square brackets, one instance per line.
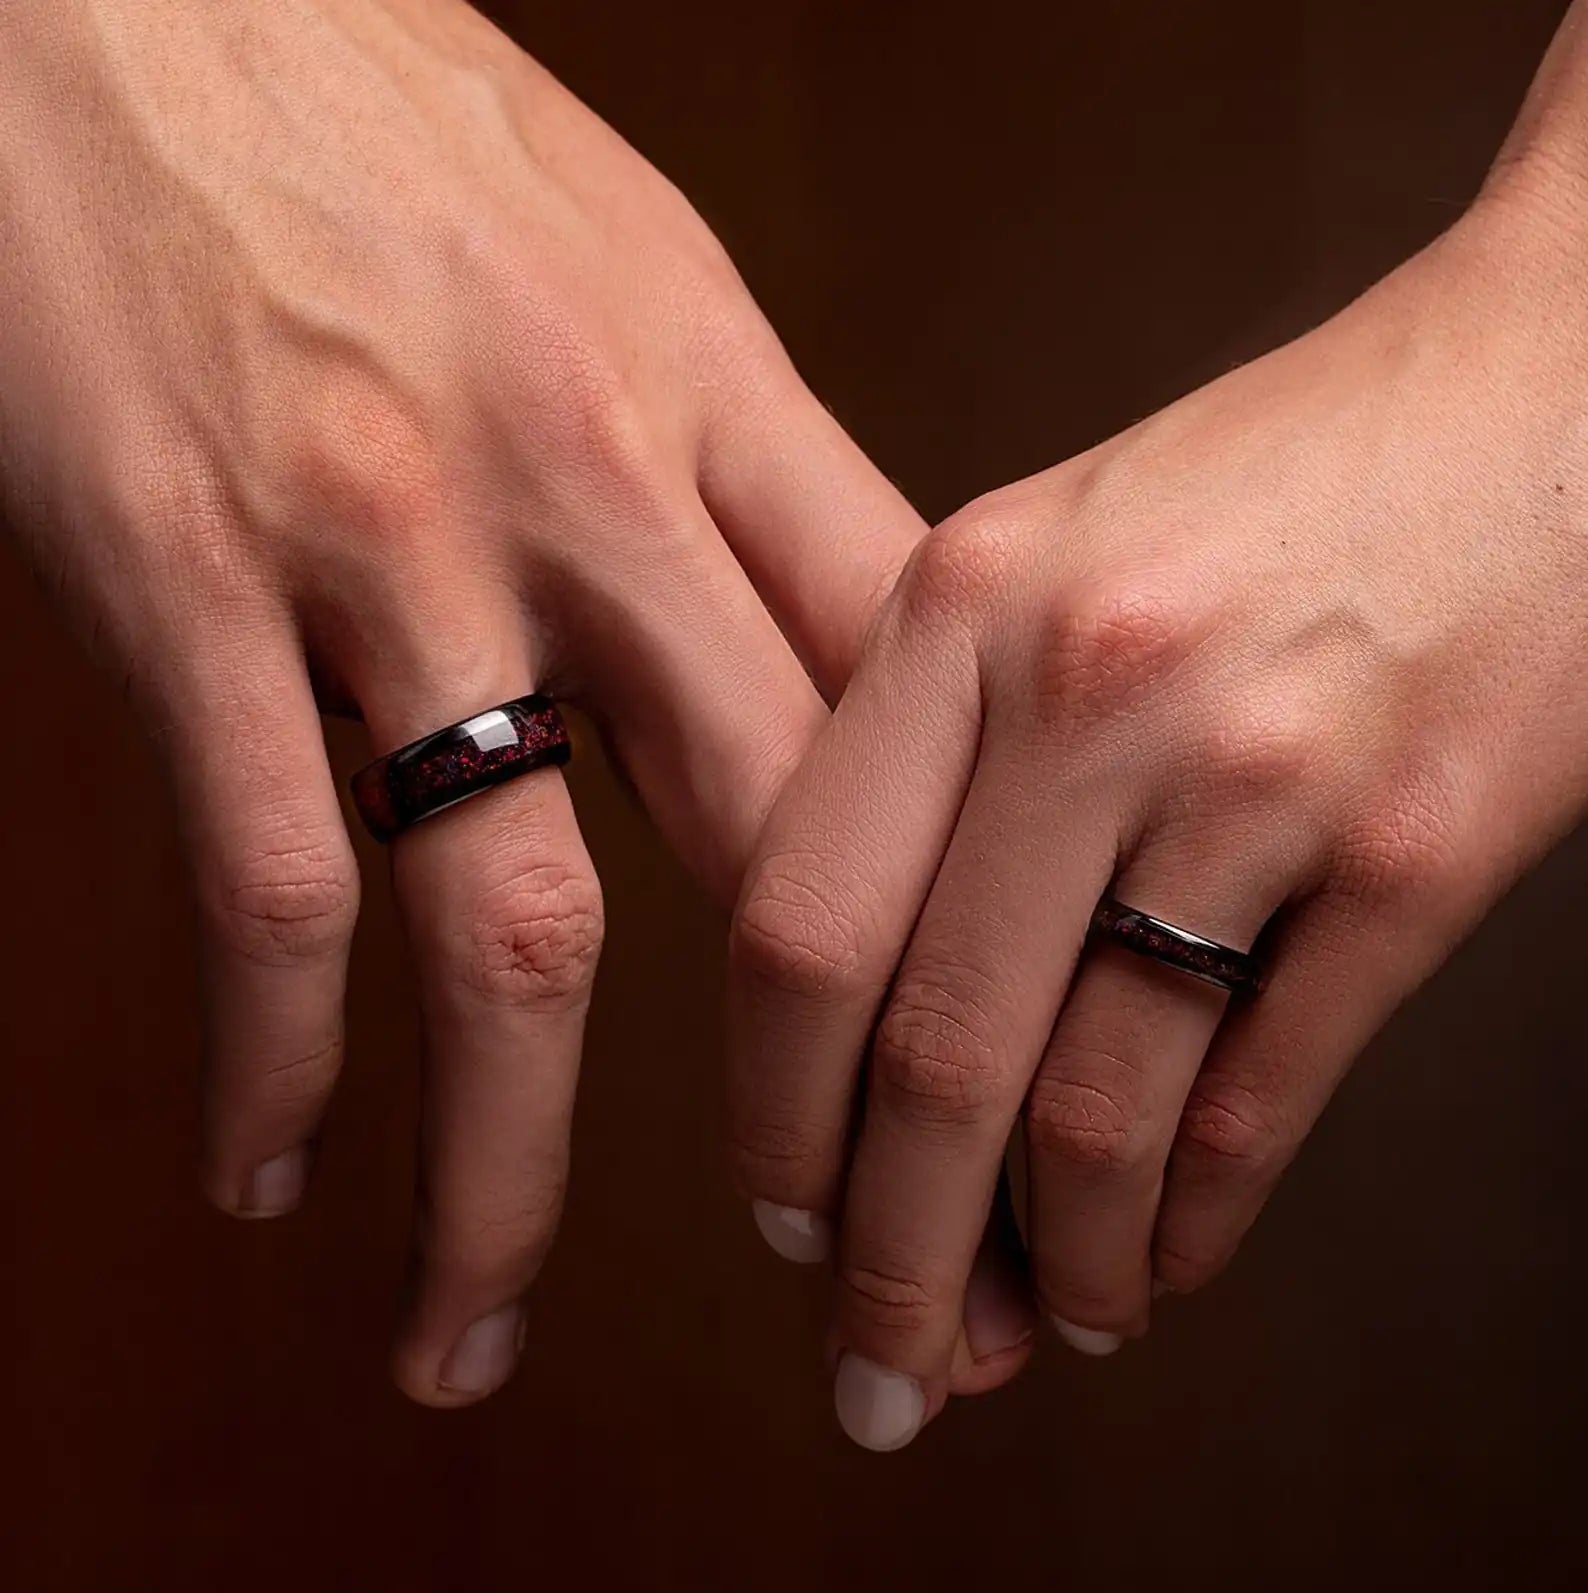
[800, 1236]
[878, 1408]
[481, 1360]
[1095, 1342]
[999, 1325]
[274, 1188]
[970, 1376]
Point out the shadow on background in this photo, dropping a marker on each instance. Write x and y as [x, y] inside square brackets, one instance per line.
[990, 236]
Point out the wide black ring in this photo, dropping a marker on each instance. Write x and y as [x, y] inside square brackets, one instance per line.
[451, 765]
[1207, 960]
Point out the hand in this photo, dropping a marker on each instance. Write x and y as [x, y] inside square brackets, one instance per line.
[349, 362]
[1299, 662]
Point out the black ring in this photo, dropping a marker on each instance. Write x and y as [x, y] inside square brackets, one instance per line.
[450, 765]
[1207, 960]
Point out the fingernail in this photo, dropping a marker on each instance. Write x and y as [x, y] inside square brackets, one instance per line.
[483, 1359]
[997, 1318]
[879, 1409]
[1089, 1341]
[796, 1235]
[277, 1185]
[1160, 1289]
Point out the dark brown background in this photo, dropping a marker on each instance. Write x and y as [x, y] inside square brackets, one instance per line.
[991, 234]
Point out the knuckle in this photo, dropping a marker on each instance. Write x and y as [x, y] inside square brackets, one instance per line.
[286, 901]
[1266, 755]
[590, 432]
[776, 1160]
[179, 527]
[359, 458]
[607, 428]
[1403, 857]
[165, 491]
[1232, 1132]
[1088, 1130]
[1102, 652]
[961, 570]
[1062, 1291]
[931, 1061]
[894, 1301]
[789, 934]
[535, 941]
[1182, 1265]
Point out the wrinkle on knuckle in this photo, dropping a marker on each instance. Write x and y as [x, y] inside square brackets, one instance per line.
[1232, 1132]
[770, 1159]
[304, 1077]
[286, 901]
[1103, 651]
[1089, 1130]
[171, 497]
[1060, 1292]
[1182, 1266]
[790, 932]
[592, 438]
[893, 1301]
[1403, 857]
[535, 941]
[1266, 755]
[932, 1061]
[361, 457]
[611, 434]
[960, 571]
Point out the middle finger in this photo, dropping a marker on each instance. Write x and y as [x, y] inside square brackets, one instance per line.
[971, 1009]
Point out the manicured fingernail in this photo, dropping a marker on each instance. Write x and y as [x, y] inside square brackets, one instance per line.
[796, 1235]
[879, 1409]
[1089, 1341]
[277, 1185]
[997, 1318]
[483, 1359]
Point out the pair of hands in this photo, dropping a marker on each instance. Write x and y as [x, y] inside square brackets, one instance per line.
[351, 365]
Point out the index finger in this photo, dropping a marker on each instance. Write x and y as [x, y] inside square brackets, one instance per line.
[820, 530]
[827, 908]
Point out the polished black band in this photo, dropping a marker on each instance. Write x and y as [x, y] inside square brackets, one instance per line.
[464, 759]
[1167, 943]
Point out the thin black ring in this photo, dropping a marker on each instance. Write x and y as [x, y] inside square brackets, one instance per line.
[1236, 971]
[460, 761]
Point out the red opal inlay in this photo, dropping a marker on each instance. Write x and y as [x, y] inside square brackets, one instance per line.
[1178, 948]
[434, 772]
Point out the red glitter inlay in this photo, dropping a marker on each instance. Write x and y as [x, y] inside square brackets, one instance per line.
[1178, 948]
[434, 772]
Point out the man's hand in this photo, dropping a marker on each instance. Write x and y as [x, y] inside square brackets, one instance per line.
[1300, 662]
[346, 361]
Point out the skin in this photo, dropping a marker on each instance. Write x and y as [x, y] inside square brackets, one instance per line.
[1298, 662]
[351, 364]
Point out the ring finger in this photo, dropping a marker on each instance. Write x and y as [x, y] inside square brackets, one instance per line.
[503, 912]
[1107, 1097]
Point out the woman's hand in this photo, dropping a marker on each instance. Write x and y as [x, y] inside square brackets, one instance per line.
[347, 361]
[1300, 662]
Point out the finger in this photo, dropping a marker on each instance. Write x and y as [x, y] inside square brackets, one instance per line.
[278, 895]
[503, 912]
[836, 884]
[1332, 983]
[699, 696]
[972, 1007]
[1000, 1320]
[1107, 1098]
[822, 533]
